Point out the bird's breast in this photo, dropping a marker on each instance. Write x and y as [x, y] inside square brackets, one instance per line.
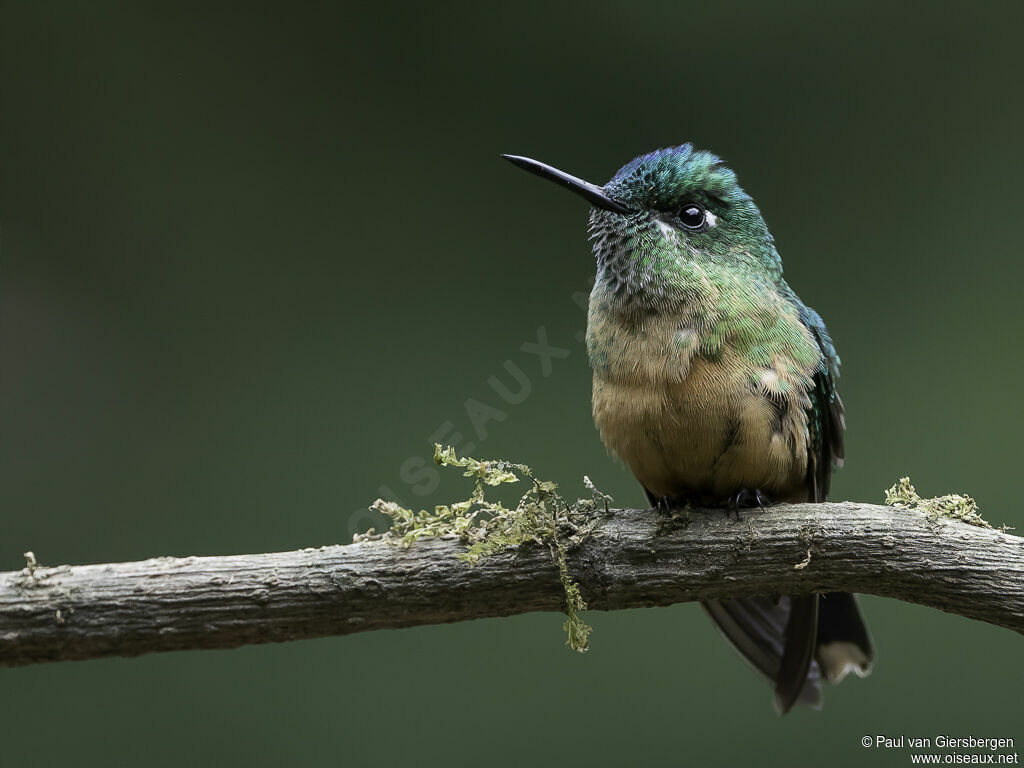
[692, 423]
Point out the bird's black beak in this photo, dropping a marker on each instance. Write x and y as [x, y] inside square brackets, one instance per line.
[585, 189]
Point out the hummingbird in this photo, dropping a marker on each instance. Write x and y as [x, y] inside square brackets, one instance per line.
[716, 385]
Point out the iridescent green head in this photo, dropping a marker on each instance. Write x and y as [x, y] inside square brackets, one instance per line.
[667, 219]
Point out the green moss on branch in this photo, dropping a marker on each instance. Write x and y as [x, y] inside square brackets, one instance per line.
[903, 495]
[487, 526]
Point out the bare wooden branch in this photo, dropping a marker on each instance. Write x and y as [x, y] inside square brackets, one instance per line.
[164, 604]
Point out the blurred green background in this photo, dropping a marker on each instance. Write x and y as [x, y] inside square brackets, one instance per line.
[256, 257]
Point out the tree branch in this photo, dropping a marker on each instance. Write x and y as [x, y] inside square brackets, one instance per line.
[629, 561]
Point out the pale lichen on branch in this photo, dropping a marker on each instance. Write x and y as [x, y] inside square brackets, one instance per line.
[956, 506]
[486, 526]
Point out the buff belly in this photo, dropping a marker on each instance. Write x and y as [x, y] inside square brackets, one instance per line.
[718, 429]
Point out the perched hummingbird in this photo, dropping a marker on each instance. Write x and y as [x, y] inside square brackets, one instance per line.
[716, 385]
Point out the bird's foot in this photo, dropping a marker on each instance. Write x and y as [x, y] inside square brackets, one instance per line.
[674, 510]
[667, 504]
[746, 498]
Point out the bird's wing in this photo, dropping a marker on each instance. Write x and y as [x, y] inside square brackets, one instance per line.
[827, 421]
[843, 644]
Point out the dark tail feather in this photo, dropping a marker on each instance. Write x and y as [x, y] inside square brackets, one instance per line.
[843, 642]
[777, 638]
[795, 641]
[801, 635]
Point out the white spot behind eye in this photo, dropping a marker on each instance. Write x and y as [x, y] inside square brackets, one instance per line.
[710, 218]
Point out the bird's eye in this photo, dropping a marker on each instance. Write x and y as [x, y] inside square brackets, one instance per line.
[692, 216]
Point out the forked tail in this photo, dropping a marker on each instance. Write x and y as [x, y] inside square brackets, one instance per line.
[795, 641]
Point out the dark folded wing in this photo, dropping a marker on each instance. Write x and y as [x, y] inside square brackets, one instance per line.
[826, 420]
[843, 643]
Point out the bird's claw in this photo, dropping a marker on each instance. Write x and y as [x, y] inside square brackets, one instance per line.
[746, 498]
[666, 504]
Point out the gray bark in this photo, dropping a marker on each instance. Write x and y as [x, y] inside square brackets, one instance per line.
[164, 604]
